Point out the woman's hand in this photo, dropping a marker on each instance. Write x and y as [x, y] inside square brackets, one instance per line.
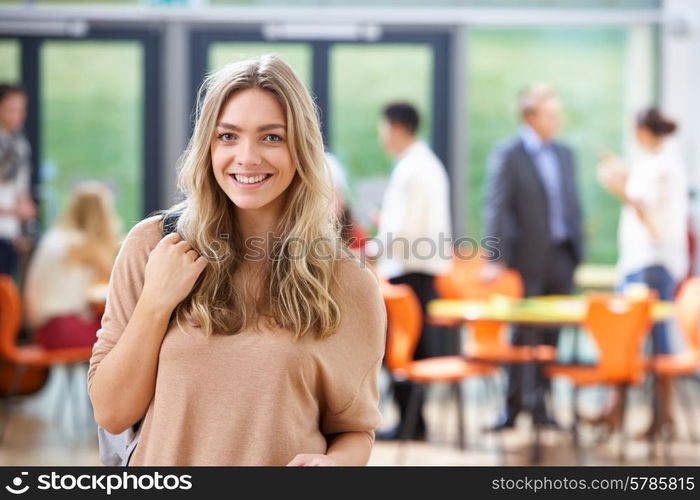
[171, 271]
[311, 460]
[612, 175]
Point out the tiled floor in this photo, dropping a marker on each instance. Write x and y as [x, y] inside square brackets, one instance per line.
[33, 437]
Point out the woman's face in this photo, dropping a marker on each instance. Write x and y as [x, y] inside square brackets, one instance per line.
[645, 138]
[249, 151]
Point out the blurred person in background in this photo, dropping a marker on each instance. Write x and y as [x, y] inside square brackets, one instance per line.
[415, 210]
[532, 209]
[16, 205]
[351, 232]
[652, 235]
[74, 255]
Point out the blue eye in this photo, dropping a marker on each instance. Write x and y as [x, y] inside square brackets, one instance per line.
[225, 136]
[273, 138]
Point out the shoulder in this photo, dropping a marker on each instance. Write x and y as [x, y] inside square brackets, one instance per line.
[144, 236]
[421, 161]
[359, 298]
[59, 238]
[355, 281]
[505, 150]
[563, 148]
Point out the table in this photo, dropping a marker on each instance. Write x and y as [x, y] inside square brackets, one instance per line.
[550, 310]
[545, 311]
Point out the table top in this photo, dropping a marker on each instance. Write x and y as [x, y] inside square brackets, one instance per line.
[544, 310]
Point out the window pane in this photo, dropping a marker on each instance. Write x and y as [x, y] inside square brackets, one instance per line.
[587, 67]
[91, 122]
[298, 55]
[364, 78]
[9, 61]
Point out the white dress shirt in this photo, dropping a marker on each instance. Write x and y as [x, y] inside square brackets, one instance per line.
[658, 182]
[415, 215]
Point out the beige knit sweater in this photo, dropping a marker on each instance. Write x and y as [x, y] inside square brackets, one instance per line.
[255, 398]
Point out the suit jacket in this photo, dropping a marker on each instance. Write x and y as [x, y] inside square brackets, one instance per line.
[516, 207]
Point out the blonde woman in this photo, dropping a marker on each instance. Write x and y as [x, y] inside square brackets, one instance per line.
[77, 252]
[244, 337]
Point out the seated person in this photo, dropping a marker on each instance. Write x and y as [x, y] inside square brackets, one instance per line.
[74, 255]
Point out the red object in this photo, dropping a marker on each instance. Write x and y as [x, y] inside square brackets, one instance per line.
[67, 331]
[692, 249]
[358, 237]
[32, 355]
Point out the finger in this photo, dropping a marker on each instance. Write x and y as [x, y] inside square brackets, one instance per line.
[183, 246]
[192, 253]
[170, 239]
[201, 262]
[296, 461]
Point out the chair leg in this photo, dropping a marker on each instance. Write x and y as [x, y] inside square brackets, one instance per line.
[575, 434]
[623, 436]
[491, 386]
[685, 399]
[409, 425]
[4, 418]
[19, 372]
[461, 434]
[77, 396]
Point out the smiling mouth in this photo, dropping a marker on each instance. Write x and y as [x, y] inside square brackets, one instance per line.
[250, 180]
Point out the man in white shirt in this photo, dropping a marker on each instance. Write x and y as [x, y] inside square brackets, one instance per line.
[413, 240]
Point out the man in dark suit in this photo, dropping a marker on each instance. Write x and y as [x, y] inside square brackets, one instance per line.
[532, 209]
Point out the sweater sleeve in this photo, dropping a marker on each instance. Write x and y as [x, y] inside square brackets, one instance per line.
[353, 356]
[125, 285]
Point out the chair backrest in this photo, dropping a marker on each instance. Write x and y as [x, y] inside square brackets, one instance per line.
[619, 326]
[10, 315]
[688, 313]
[463, 282]
[404, 320]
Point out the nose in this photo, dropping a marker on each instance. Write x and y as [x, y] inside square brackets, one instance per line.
[247, 155]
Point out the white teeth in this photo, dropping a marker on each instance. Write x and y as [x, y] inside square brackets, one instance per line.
[250, 180]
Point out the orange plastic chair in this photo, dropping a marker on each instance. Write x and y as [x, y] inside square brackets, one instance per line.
[488, 340]
[30, 355]
[686, 363]
[618, 326]
[404, 328]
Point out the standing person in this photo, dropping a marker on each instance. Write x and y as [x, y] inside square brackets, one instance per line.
[244, 337]
[652, 236]
[532, 209]
[414, 222]
[74, 255]
[16, 205]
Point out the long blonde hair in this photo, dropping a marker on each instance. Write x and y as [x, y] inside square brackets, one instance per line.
[297, 296]
[90, 211]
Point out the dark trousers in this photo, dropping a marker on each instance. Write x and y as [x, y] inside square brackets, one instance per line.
[528, 387]
[434, 341]
[8, 257]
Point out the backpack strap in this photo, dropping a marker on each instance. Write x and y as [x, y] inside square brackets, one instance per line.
[170, 222]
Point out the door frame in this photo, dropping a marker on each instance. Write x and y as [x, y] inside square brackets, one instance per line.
[30, 71]
[438, 40]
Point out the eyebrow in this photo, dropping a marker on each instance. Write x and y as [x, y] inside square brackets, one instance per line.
[263, 128]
